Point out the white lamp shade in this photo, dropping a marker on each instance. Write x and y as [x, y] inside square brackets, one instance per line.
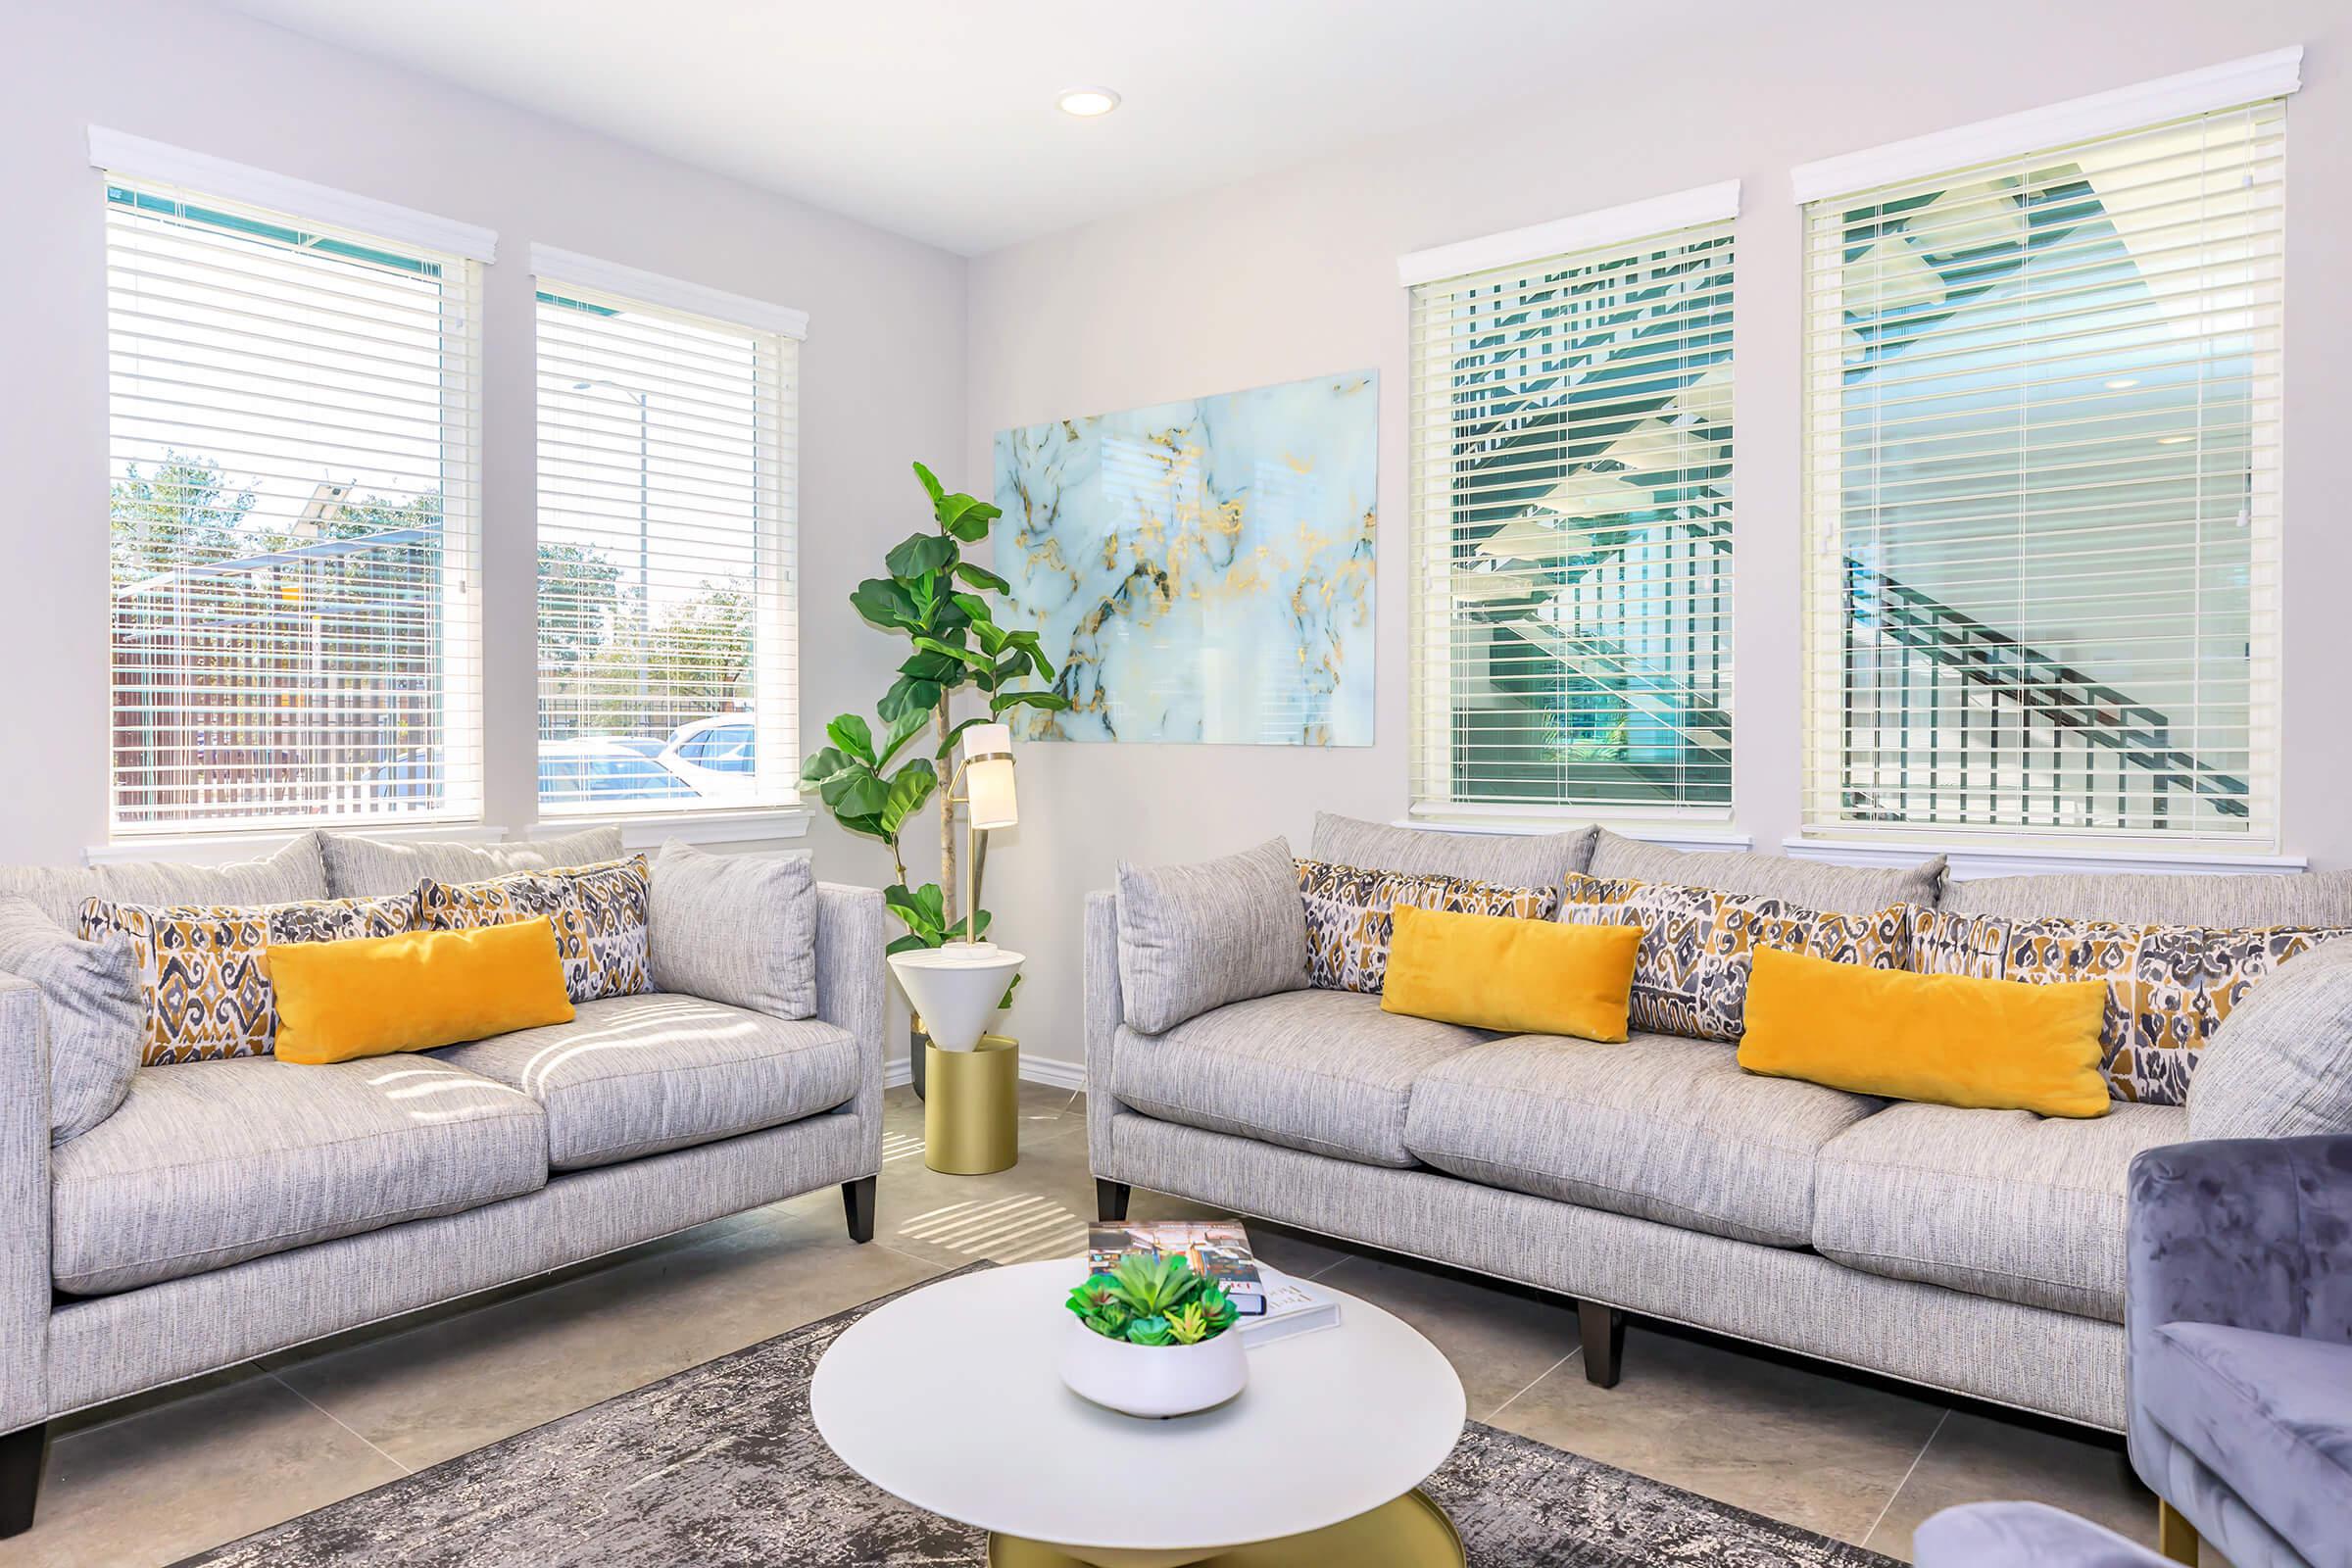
[988, 776]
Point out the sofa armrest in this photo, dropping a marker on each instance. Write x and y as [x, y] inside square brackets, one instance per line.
[23, 1206]
[1104, 1010]
[2280, 1064]
[850, 984]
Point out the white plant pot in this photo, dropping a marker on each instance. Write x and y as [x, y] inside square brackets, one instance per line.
[1153, 1379]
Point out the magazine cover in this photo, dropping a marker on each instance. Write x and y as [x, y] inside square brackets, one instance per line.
[1219, 1249]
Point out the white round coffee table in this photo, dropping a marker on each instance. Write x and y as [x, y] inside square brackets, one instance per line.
[947, 1397]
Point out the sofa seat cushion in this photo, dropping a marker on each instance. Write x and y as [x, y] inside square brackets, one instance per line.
[2271, 1414]
[208, 1163]
[1657, 1127]
[637, 1075]
[1326, 1072]
[2002, 1203]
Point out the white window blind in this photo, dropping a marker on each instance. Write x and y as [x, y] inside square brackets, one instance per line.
[2042, 421]
[1572, 526]
[294, 468]
[666, 611]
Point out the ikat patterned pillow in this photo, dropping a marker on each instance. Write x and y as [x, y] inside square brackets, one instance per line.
[1350, 913]
[1698, 944]
[599, 913]
[203, 970]
[2169, 987]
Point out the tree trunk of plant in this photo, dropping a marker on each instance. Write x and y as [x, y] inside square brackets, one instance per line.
[947, 823]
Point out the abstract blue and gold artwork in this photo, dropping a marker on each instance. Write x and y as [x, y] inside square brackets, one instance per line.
[1201, 570]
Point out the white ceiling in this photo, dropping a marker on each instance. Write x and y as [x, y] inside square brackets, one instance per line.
[936, 118]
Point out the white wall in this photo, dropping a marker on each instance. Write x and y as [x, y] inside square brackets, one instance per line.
[1294, 274]
[882, 372]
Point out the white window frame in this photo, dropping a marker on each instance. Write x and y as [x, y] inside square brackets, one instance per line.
[775, 589]
[463, 249]
[2005, 847]
[1594, 236]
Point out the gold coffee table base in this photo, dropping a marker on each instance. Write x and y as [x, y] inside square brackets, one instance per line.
[1410, 1533]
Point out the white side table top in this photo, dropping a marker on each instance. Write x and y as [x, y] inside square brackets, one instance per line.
[947, 1397]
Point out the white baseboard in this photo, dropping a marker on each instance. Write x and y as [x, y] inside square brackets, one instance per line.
[1052, 1071]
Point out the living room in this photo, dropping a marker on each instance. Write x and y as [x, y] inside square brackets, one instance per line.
[764, 684]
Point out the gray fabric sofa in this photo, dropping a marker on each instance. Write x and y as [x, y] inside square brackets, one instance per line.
[1977, 1252]
[230, 1208]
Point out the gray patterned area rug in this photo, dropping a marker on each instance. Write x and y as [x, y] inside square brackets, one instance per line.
[720, 1466]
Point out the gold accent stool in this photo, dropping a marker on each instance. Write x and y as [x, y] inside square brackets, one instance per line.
[971, 1107]
[1410, 1533]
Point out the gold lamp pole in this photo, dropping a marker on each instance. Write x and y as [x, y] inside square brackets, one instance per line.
[984, 771]
[970, 1107]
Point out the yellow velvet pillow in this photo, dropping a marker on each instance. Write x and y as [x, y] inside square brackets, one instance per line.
[1946, 1039]
[340, 1001]
[1518, 976]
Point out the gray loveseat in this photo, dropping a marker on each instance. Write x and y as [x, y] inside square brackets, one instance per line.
[1979, 1252]
[234, 1208]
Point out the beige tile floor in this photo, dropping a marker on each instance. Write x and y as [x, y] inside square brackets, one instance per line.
[170, 1475]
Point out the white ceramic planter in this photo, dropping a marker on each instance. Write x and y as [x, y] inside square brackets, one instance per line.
[1153, 1379]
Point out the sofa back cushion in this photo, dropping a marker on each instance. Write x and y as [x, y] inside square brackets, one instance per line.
[1512, 860]
[2313, 898]
[735, 928]
[203, 970]
[91, 1007]
[599, 913]
[1193, 938]
[286, 876]
[1698, 944]
[358, 866]
[1350, 914]
[2280, 1064]
[2170, 988]
[1815, 884]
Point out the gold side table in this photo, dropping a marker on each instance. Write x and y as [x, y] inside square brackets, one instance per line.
[971, 1107]
[971, 1079]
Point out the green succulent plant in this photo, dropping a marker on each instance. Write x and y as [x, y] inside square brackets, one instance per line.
[1147, 1300]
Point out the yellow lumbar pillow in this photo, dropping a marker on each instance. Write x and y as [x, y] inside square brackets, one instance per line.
[1946, 1039]
[1518, 976]
[339, 1001]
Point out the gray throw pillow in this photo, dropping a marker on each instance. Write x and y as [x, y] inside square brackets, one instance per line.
[1196, 937]
[2280, 1064]
[735, 928]
[1514, 859]
[90, 1004]
[359, 866]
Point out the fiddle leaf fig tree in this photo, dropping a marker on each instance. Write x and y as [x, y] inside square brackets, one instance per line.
[940, 603]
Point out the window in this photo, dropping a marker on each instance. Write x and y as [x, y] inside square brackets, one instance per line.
[294, 485]
[1572, 516]
[2042, 488]
[667, 639]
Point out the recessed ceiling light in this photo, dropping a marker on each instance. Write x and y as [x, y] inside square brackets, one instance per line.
[2123, 381]
[1087, 103]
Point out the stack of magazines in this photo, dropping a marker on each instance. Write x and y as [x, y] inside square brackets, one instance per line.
[1272, 1304]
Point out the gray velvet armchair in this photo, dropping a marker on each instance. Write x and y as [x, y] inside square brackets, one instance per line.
[2239, 1315]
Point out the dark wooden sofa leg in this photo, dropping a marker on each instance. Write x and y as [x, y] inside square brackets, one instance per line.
[857, 1203]
[21, 1457]
[1602, 1329]
[1110, 1200]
